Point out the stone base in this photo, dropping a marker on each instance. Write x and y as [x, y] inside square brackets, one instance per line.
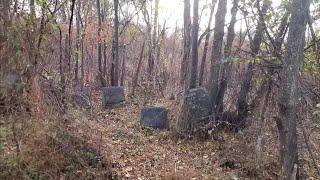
[112, 96]
[155, 117]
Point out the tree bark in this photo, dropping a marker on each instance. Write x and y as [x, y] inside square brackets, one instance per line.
[216, 56]
[287, 101]
[62, 71]
[136, 76]
[206, 44]
[186, 42]
[100, 45]
[226, 66]
[78, 44]
[242, 103]
[151, 62]
[261, 129]
[115, 47]
[123, 67]
[5, 12]
[194, 46]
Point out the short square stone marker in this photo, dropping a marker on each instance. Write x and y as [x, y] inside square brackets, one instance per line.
[82, 96]
[155, 117]
[112, 96]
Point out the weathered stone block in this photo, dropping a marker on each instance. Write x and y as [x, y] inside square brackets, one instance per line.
[112, 96]
[198, 103]
[155, 117]
[82, 96]
[194, 109]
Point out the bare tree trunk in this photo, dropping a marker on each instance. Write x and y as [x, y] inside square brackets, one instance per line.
[261, 129]
[136, 76]
[72, 5]
[5, 14]
[226, 66]
[186, 42]
[62, 72]
[206, 44]
[123, 67]
[314, 37]
[67, 55]
[82, 62]
[78, 43]
[277, 46]
[265, 91]
[63, 13]
[161, 40]
[287, 102]
[100, 45]
[115, 47]
[216, 56]
[173, 52]
[151, 62]
[242, 103]
[105, 60]
[278, 40]
[104, 47]
[194, 46]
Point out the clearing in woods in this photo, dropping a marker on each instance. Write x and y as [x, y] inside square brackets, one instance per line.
[138, 152]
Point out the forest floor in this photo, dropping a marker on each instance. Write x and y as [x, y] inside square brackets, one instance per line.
[133, 151]
[138, 152]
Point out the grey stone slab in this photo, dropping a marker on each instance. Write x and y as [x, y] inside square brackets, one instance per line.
[198, 104]
[112, 96]
[155, 117]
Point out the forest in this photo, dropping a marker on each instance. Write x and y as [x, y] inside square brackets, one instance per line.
[160, 89]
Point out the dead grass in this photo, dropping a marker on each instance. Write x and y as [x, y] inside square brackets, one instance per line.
[111, 144]
[48, 149]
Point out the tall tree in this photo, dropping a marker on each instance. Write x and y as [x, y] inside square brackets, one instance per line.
[227, 64]
[206, 44]
[186, 42]
[123, 66]
[78, 43]
[147, 20]
[242, 103]
[287, 102]
[136, 75]
[5, 16]
[115, 47]
[100, 45]
[216, 56]
[264, 92]
[151, 62]
[194, 46]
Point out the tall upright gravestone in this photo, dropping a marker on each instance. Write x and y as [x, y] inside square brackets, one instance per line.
[194, 109]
